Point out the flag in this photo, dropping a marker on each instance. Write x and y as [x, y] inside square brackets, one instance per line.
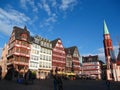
[112, 55]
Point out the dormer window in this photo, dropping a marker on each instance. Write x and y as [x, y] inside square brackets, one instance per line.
[24, 37]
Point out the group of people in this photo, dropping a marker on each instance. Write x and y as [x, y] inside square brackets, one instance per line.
[58, 83]
[13, 74]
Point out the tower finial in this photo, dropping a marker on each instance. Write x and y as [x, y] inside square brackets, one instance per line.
[25, 27]
[105, 28]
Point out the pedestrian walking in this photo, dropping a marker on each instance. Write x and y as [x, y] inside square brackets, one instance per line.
[0, 72]
[10, 73]
[28, 77]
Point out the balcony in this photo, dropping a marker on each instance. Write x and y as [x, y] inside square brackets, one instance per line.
[77, 61]
[59, 56]
[21, 54]
[58, 61]
[22, 46]
[21, 63]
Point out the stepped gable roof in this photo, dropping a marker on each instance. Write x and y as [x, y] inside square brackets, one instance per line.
[54, 42]
[70, 50]
[93, 58]
[67, 51]
[18, 31]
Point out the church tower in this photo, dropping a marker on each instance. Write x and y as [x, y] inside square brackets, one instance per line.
[108, 47]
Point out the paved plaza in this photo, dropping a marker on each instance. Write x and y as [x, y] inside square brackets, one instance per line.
[67, 85]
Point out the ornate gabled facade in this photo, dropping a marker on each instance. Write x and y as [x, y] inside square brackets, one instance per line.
[75, 59]
[19, 48]
[58, 55]
[91, 66]
[68, 67]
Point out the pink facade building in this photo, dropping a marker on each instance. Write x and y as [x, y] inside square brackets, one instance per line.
[58, 55]
[19, 48]
[91, 66]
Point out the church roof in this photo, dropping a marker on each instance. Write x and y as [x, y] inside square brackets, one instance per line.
[105, 28]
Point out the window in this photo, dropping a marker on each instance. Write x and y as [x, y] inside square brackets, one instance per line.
[42, 43]
[41, 64]
[44, 64]
[43, 57]
[47, 44]
[47, 58]
[40, 56]
[50, 45]
[24, 37]
[17, 49]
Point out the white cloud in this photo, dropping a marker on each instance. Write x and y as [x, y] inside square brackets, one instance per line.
[54, 3]
[47, 8]
[52, 18]
[32, 3]
[49, 21]
[24, 4]
[52, 8]
[9, 18]
[68, 4]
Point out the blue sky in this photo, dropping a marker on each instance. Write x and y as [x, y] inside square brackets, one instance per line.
[77, 22]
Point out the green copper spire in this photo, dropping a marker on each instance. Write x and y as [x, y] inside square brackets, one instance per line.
[105, 28]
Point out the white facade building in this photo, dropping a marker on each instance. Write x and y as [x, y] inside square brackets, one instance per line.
[34, 56]
[45, 63]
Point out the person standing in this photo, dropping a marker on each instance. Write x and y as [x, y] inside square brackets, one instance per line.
[108, 84]
[0, 72]
[60, 83]
[28, 77]
[55, 82]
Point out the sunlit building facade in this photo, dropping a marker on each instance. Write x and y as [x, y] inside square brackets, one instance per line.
[91, 66]
[19, 49]
[72, 60]
[34, 53]
[68, 67]
[3, 60]
[45, 63]
[58, 55]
